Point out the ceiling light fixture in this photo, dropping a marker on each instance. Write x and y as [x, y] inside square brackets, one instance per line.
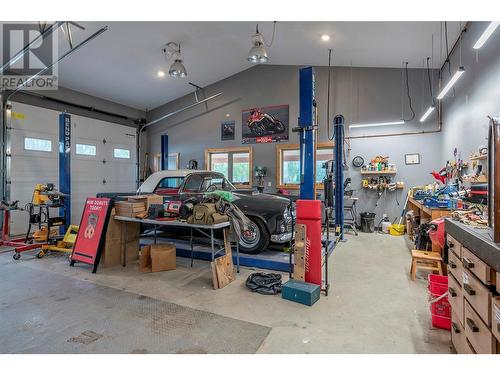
[173, 52]
[452, 81]
[486, 34]
[427, 113]
[258, 53]
[401, 122]
[160, 73]
[325, 37]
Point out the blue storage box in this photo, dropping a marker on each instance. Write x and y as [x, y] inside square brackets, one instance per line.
[301, 292]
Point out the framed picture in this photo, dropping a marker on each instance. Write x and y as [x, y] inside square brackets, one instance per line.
[265, 124]
[227, 130]
[411, 159]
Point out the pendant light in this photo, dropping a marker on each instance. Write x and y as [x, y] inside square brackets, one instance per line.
[177, 68]
[258, 53]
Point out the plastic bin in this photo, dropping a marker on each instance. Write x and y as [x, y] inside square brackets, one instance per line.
[367, 222]
[440, 309]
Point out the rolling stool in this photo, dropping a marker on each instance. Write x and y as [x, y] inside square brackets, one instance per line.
[425, 260]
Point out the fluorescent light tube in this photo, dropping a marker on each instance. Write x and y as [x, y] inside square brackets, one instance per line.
[377, 124]
[486, 34]
[452, 81]
[427, 113]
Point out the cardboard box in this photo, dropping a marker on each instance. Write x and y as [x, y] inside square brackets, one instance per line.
[146, 199]
[156, 258]
[145, 259]
[114, 230]
[112, 252]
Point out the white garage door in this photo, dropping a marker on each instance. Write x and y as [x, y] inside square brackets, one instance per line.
[103, 158]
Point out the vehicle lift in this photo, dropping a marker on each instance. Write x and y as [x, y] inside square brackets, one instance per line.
[319, 249]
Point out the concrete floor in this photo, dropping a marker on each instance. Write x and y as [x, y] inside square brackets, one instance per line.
[373, 306]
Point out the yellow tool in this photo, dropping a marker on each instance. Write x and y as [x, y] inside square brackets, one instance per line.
[65, 245]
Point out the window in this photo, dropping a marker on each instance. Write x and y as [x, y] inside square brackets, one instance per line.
[121, 153]
[193, 183]
[173, 162]
[216, 183]
[288, 161]
[170, 183]
[89, 150]
[234, 162]
[37, 144]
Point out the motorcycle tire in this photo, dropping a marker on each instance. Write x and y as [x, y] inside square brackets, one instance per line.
[279, 127]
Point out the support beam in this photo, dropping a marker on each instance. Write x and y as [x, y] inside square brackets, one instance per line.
[307, 128]
[65, 167]
[164, 152]
[338, 134]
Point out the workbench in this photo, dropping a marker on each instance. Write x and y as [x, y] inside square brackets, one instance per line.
[427, 213]
[205, 230]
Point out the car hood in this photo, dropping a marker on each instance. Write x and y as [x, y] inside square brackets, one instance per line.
[250, 194]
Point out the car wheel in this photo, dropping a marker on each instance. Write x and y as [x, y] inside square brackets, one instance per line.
[256, 239]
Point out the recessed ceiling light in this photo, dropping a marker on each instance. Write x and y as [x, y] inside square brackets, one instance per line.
[325, 37]
[228, 115]
[160, 73]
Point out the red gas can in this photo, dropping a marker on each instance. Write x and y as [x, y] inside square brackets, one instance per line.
[309, 214]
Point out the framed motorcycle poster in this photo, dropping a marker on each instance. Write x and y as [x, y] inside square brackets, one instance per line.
[227, 130]
[265, 124]
[90, 239]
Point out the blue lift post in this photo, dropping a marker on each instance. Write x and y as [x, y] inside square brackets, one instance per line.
[338, 134]
[65, 168]
[307, 125]
[164, 152]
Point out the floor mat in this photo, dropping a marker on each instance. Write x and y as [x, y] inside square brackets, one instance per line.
[43, 312]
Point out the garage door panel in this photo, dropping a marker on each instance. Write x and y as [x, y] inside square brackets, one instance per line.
[87, 172]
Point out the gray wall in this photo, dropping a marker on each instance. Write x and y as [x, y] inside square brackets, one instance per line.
[360, 94]
[477, 94]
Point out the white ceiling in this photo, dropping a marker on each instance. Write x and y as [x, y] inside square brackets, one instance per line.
[121, 64]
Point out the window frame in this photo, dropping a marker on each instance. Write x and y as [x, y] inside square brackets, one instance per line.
[37, 139]
[230, 151]
[280, 148]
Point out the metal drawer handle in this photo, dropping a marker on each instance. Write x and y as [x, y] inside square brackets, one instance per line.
[452, 264]
[472, 325]
[452, 292]
[467, 263]
[456, 329]
[469, 290]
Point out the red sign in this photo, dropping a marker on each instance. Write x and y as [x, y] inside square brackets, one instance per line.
[91, 235]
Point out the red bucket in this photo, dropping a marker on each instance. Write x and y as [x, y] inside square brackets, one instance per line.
[440, 308]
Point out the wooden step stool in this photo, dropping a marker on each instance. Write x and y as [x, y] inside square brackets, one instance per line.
[425, 260]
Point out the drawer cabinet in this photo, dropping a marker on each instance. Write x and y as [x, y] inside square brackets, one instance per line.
[454, 246]
[495, 317]
[477, 295]
[478, 333]
[456, 298]
[472, 263]
[455, 266]
[458, 334]
[468, 347]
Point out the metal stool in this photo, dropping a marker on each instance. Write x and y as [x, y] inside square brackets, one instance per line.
[350, 214]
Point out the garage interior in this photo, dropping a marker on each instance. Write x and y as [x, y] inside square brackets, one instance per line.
[283, 187]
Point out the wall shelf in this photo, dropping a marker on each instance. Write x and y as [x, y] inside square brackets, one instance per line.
[377, 172]
[480, 157]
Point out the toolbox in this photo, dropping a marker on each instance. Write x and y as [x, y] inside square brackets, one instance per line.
[301, 292]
